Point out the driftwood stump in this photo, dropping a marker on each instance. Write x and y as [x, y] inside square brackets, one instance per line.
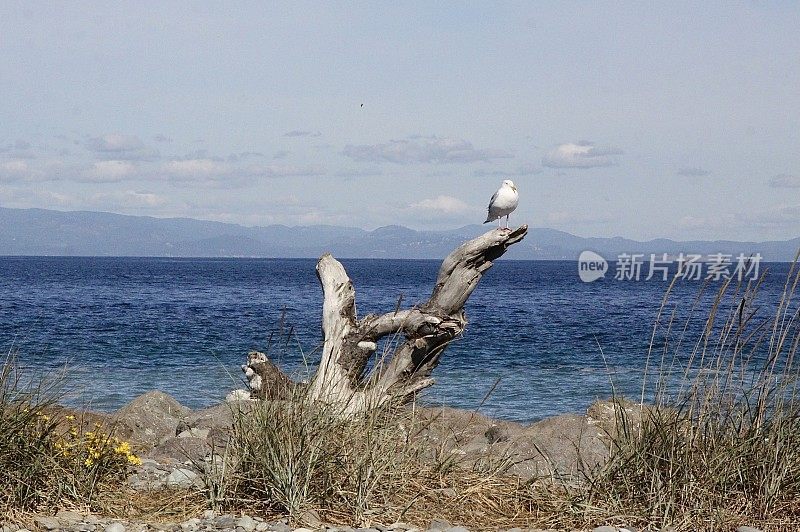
[350, 343]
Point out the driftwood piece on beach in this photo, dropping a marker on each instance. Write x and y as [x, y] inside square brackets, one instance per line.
[420, 333]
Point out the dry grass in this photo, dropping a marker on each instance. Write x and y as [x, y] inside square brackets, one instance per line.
[719, 447]
[47, 458]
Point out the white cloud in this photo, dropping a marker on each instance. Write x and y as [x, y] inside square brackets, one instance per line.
[15, 170]
[127, 199]
[193, 168]
[442, 204]
[580, 155]
[785, 181]
[693, 172]
[110, 171]
[283, 170]
[423, 150]
[121, 147]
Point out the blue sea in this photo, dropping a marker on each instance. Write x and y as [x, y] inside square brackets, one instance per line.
[539, 341]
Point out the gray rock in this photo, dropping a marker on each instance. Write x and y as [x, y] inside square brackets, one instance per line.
[195, 432]
[182, 478]
[114, 527]
[605, 528]
[747, 529]
[247, 523]
[311, 518]
[47, 522]
[181, 449]
[279, 527]
[457, 529]
[440, 524]
[225, 521]
[301, 529]
[262, 527]
[152, 417]
[69, 516]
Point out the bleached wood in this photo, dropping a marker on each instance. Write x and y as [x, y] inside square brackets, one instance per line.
[422, 332]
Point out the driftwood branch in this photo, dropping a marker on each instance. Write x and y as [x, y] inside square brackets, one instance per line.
[423, 332]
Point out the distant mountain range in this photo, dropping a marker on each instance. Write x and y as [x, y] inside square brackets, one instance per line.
[47, 232]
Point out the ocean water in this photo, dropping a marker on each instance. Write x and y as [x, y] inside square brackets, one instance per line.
[539, 342]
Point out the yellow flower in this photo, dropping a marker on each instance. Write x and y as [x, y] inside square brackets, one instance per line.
[89, 462]
[135, 460]
[70, 418]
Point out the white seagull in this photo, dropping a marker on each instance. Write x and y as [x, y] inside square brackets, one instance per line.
[503, 203]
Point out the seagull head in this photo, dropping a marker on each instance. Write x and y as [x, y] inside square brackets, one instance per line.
[509, 183]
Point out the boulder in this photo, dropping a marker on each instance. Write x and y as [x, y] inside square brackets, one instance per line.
[151, 418]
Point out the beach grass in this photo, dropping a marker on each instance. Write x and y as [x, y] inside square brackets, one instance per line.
[49, 457]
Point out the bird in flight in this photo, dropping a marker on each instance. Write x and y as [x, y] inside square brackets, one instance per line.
[503, 203]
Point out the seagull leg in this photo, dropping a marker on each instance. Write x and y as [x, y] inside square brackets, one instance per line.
[507, 215]
[499, 222]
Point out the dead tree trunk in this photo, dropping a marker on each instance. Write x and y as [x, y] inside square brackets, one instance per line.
[350, 343]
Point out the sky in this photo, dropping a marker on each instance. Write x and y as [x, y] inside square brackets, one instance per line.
[632, 119]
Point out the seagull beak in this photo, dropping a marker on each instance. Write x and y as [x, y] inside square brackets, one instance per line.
[514, 188]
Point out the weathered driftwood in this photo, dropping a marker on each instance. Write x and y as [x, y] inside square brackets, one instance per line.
[422, 333]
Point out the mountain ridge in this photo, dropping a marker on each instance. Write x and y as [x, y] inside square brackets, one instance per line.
[93, 233]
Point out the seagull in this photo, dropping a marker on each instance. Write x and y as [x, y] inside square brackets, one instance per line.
[503, 203]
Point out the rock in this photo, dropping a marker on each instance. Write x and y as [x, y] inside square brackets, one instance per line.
[69, 516]
[457, 529]
[152, 418]
[238, 395]
[181, 449]
[440, 524]
[225, 521]
[279, 526]
[195, 432]
[114, 527]
[247, 523]
[605, 528]
[49, 523]
[301, 529]
[747, 529]
[310, 518]
[209, 514]
[182, 478]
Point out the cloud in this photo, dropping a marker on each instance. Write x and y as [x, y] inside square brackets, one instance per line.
[785, 181]
[193, 168]
[442, 204]
[121, 147]
[110, 171]
[520, 171]
[162, 138]
[221, 172]
[280, 154]
[15, 170]
[127, 199]
[423, 150]
[693, 172]
[302, 133]
[581, 155]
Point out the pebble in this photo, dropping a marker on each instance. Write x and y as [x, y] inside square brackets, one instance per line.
[114, 527]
